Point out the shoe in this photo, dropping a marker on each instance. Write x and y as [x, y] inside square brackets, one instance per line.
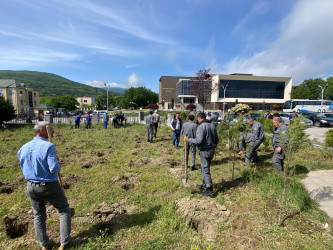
[200, 187]
[74, 242]
[208, 191]
[151, 141]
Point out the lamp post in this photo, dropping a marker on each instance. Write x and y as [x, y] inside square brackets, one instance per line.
[322, 93]
[224, 86]
[107, 97]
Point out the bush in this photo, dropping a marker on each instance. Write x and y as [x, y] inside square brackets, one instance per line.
[240, 109]
[190, 107]
[152, 106]
[329, 138]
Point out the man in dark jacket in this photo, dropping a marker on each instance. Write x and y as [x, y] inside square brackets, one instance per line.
[280, 141]
[189, 129]
[206, 140]
[149, 126]
[176, 126]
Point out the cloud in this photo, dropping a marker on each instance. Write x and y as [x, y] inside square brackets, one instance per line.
[100, 84]
[134, 81]
[302, 50]
[131, 66]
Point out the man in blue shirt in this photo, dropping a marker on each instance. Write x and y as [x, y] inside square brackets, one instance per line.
[40, 167]
[88, 120]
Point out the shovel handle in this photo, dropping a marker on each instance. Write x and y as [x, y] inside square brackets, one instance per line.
[48, 130]
[185, 149]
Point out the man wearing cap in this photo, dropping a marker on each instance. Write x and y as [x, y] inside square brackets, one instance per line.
[149, 126]
[156, 121]
[40, 167]
[189, 130]
[251, 141]
[280, 140]
[206, 139]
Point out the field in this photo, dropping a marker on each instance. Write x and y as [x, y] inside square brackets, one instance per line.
[128, 194]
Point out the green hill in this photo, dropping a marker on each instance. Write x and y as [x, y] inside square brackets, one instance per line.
[50, 84]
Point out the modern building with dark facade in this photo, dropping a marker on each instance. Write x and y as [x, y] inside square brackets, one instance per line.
[261, 92]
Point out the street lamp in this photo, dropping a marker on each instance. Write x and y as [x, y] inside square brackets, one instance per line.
[107, 97]
[322, 93]
[224, 86]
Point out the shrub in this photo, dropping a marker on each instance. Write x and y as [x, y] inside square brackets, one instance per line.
[240, 109]
[152, 106]
[190, 107]
[329, 138]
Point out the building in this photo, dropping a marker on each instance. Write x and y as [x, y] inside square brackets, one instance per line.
[86, 100]
[23, 98]
[261, 92]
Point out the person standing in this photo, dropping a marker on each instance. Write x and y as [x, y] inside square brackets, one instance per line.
[156, 121]
[106, 120]
[280, 140]
[88, 120]
[206, 141]
[149, 126]
[214, 119]
[253, 138]
[189, 130]
[176, 126]
[268, 115]
[40, 167]
[77, 120]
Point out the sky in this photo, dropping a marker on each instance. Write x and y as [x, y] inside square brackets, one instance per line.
[129, 43]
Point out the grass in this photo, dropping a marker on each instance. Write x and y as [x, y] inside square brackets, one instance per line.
[155, 222]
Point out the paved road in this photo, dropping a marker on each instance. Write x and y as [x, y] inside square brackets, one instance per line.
[320, 187]
[317, 133]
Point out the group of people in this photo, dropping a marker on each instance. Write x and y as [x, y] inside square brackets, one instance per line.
[117, 120]
[40, 166]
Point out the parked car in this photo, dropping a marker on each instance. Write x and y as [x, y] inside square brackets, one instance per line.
[286, 119]
[209, 114]
[319, 119]
[328, 115]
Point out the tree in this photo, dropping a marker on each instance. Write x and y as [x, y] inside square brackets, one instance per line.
[141, 96]
[201, 87]
[190, 106]
[67, 102]
[101, 101]
[7, 111]
[309, 89]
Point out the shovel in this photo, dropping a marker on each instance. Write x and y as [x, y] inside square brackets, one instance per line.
[186, 181]
[59, 176]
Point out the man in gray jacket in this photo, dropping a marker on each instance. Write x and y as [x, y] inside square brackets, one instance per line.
[250, 142]
[149, 126]
[280, 141]
[206, 140]
[189, 129]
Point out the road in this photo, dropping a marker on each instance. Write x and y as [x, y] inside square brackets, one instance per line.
[317, 134]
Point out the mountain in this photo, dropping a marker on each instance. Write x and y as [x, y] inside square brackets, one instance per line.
[117, 90]
[50, 84]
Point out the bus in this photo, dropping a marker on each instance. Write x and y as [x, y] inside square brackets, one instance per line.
[305, 105]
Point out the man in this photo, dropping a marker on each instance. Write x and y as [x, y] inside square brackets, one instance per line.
[77, 120]
[206, 140]
[88, 120]
[253, 138]
[189, 130]
[176, 126]
[214, 119]
[106, 120]
[149, 126]
[292, 116]
[280, 140]
[156, 121]
[40, 167]
[268, 115]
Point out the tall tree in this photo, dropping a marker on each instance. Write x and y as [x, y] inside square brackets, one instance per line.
[309, 89]
[201, 87]
[101, 101]
[141, 96]
[7, 111]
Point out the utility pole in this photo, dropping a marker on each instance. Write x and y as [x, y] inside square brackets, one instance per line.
[322, 92]
[107, 97]
[224, 86]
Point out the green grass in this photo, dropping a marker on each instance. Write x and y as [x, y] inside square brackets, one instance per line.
[155, 222]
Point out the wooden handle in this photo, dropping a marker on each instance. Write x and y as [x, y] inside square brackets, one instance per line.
[185, 160]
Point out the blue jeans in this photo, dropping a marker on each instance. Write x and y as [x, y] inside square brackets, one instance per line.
[176, 137]
[105, 124]
[54, 194]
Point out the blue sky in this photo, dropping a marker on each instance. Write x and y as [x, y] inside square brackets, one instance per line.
[134, 42]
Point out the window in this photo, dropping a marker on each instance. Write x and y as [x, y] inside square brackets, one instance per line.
[10, 92]
[34, 94]
[11, 101]
[85, 101]
[253, 89]
[189, 100]
[30, 99]
[1, 92]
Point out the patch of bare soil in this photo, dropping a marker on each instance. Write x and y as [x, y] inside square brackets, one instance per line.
[137, 151]
[94, 162]
[203, 215]
[8, 187]
[177, 173]
[15, 226]
[164, 162]
[126, 181]
[140, 162]
[69, 180]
